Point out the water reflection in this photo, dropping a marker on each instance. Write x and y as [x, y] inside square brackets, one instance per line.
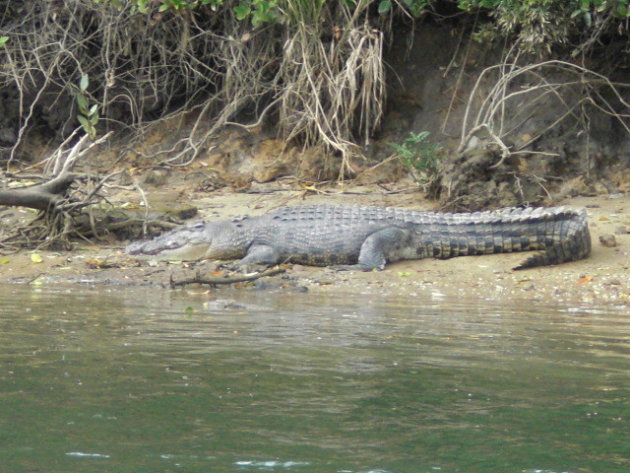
[145, 380]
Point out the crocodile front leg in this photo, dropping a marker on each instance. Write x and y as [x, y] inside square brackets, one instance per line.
[260, 254]
[386, 245]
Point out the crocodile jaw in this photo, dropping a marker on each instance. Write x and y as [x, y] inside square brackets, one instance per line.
[197, 240]
[185, 243]
[188, 252]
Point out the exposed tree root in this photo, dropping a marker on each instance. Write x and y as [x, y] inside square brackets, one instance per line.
[505, 155]
[319, 75]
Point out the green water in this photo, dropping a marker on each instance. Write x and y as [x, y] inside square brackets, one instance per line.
[162, 381]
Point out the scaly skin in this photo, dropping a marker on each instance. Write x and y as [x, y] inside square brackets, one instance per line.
[359, 237]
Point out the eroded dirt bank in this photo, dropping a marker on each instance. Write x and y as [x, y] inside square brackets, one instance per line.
[603, 278]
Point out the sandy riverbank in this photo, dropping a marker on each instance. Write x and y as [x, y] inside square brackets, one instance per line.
[603, 278]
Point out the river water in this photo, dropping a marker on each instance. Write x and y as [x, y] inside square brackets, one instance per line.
[174, 381]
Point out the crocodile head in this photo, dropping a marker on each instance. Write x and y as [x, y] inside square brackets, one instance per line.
[193, 241]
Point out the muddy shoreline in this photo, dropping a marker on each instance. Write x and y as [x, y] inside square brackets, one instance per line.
[601, 279]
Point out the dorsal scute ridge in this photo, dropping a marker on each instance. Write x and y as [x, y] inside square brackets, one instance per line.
[345, 212]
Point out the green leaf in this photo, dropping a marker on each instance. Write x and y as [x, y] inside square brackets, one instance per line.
[384, 6]
[3, 40]
[242, 11]
[85, 124]
[84, 82]
[82, 102]
[142, 6]
[93, 109]
[163, 8]
[417, 7]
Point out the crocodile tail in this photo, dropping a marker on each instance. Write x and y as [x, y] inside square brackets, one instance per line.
[571, 243]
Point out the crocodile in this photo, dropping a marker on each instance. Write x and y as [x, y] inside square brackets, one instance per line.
[366, 238]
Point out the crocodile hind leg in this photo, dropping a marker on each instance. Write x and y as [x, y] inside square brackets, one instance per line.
[386, 245]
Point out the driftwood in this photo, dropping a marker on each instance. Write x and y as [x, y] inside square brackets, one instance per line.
[47, 195]
[44, 196]
[198, 279]
[60, 212]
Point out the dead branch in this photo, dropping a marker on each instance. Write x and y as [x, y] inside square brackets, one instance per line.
[49, 195]
[198, 279]
[45, 196]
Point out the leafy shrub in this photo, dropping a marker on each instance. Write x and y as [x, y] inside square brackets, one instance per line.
[420, 157]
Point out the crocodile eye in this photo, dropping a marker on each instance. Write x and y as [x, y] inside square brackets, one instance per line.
[198, 225]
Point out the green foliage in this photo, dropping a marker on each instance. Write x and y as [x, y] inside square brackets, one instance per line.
[513, 14]
[618, 8]
[187, 4]
[264, 11]
[415, 7]
[585, 8]
[88, 115]
[541, 24]
[420, 157]
[143, 6]
[3, 40]
[259, 11]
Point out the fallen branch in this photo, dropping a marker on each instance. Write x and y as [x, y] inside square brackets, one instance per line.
[43, 196]
[198, 279]
[48, 195]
